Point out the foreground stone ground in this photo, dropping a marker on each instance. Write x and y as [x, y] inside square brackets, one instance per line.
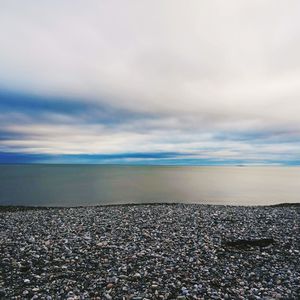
[150, 252]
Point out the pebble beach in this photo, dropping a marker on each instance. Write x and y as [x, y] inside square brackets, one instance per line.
[164, 251]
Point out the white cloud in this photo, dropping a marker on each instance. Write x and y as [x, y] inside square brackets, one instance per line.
[201, 67]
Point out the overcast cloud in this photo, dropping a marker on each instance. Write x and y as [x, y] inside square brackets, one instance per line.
[194, 81]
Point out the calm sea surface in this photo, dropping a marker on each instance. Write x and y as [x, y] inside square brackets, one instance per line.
[74, 185]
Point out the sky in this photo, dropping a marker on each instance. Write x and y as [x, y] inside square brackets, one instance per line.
[190, 82]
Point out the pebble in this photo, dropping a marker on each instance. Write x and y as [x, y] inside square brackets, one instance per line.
[107, 296]
[150, 252]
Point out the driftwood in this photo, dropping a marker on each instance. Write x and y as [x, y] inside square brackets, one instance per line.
[249, 243]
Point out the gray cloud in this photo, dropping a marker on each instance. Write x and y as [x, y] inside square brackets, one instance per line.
[209, 77]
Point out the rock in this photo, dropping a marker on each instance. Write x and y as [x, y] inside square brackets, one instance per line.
[137, 275]
[149, 252]
[109, 286]
[107, 296]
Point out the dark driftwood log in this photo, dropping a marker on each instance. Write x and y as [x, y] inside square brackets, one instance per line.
[249, 243]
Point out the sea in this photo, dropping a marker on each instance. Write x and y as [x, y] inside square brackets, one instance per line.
[89, 185]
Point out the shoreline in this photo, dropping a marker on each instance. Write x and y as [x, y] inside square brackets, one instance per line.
[8, 208]
[150, 251]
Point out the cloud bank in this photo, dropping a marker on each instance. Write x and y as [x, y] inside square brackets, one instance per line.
[195, 82]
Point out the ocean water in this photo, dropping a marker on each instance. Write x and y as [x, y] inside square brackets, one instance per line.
[77, 185]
